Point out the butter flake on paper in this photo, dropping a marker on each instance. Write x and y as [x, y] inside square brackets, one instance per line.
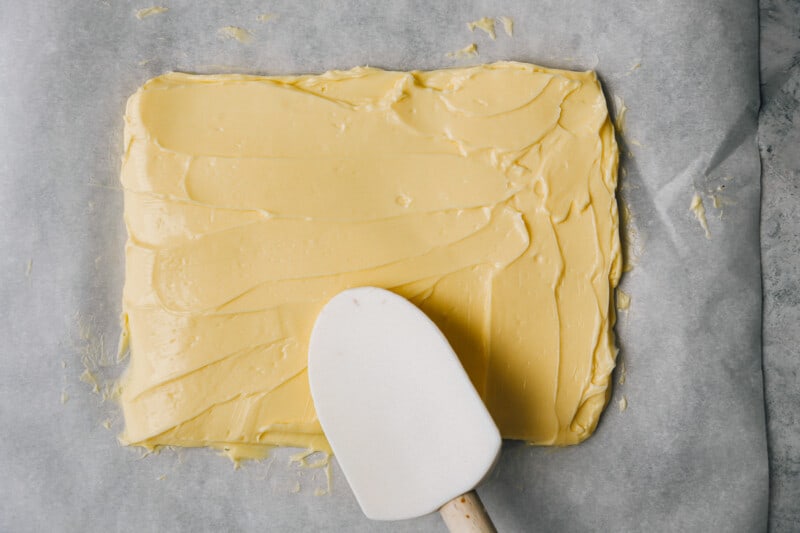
[150, 11]
[235, 33]
[699, 210]
[470, 50]
[485, 24]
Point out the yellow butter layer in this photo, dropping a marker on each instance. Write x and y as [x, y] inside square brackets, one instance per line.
[486, 195]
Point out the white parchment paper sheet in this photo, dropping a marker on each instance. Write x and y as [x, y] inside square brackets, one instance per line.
[688, 453]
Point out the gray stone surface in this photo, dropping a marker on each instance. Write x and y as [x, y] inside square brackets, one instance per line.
[779, 141]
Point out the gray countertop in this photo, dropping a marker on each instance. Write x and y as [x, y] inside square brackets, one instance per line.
[779, 142]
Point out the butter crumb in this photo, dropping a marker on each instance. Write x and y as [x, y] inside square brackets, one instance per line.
[107, 423]
[90, 379]
[266, 17]
[485, 24]
[235, 33]
[162, 477]
[150, 11]
[699, 211]
[623, 300]
[508, 25]
[301, 458]
[296, 488]
[123, 344]
[623, 373]
[28, 268]
[622, 404]
[64, 397]
[636, 66]
[635, 142]
[467, 51]
[621, 109]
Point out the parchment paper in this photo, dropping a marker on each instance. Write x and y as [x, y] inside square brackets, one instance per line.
[688, 453]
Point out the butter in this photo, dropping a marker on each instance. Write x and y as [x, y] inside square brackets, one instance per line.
[622, 404]
[486, 195]
[699, 209]
[150, 11]
[621, 109]
[470, 50]
[235, 33]
[623, 300]
[485, 24]
[508, 25]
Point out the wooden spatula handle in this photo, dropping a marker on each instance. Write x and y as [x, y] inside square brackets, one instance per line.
[466, 514]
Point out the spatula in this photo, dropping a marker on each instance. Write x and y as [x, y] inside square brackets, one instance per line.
[407, 427]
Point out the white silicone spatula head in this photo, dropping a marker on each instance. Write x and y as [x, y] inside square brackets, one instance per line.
[404, 421]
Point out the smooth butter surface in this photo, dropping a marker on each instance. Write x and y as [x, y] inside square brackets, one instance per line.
[484, 194]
